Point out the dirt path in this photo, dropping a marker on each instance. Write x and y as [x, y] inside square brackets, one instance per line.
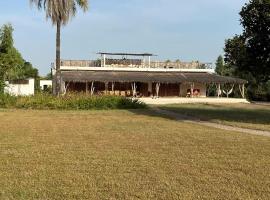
[194, 120]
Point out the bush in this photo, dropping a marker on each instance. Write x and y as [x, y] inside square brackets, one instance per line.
[69, 102]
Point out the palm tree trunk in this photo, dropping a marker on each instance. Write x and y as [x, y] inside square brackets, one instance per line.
[58, 58]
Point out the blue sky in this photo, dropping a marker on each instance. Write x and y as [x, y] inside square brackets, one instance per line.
[172, 29]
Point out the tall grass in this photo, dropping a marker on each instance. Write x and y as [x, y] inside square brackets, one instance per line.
[69, 102]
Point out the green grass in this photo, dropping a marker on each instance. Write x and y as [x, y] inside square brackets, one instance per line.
[239, 115]
[126, 155]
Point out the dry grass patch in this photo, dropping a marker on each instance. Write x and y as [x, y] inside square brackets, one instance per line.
[126, 155]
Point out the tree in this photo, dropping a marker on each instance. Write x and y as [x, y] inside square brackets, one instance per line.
[222, 68]
[60, 12]
[10, 58]
[248, 54]
[219, 65]
[12, 64]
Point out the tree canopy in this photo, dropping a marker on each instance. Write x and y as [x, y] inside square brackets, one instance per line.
[248, 54]
[12, 65]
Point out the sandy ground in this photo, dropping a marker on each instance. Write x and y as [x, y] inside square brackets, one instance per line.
[164, 101]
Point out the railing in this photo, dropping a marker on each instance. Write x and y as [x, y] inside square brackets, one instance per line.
[137, 64]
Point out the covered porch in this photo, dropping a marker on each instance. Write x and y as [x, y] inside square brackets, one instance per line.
[148, 84]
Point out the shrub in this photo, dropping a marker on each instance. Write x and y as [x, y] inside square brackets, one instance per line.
[69, 102]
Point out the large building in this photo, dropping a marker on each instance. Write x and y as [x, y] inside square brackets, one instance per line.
[137, 75]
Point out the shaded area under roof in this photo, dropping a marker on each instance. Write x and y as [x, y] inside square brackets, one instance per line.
[145, 77]
[126, 54]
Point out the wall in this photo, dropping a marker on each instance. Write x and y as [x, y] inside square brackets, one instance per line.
[47, 83]
[21, 89]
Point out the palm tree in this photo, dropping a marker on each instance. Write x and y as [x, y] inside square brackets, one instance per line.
[59, 12]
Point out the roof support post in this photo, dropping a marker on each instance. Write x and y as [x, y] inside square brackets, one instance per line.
[106, 88]
[218, 90]
[104, 60]
[179, 89]
[191, 90]
[92, 88]
[134, 88]
[86, 87]
[157, 89]
[149, 61]
[242, 90]
[113, 88]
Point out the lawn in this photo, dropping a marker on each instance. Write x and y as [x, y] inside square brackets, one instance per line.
[240, 115]
[126, 155]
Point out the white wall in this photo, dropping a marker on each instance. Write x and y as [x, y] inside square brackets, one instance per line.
[47, 83]
[21, 89]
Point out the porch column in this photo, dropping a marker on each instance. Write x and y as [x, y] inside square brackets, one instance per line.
[113, 88]
[149, 61]
[157, 89]
[92, 88]
[242, 91]
[180, 90]
[106, 88]
[133, 86]
[219, 90]
[191, 89]
[86, 87]
[104, 60]
[150, 88]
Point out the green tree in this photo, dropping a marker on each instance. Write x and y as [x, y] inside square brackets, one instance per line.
[10, 58]
[222, 68]
[12, 64]
[60, 12]
[248, 54]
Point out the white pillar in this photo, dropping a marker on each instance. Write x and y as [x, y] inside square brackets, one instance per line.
[86, 87]
[150, 88]
[191, 89]
[92, 88]
[113, 87]
[157, 89]
[149, 61]
[104, 60]
[243, 89]
[133, 86]
[219, 90]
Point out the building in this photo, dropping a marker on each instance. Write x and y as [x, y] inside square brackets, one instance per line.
[45, 84]
[136, 75]
[24, 87]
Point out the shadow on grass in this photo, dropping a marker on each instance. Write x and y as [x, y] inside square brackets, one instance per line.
[222, 113]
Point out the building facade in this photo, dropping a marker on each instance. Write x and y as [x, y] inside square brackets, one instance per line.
[141, 77]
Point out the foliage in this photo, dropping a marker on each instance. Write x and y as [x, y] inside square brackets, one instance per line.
[12, 65]
[59, 12]
[248, 55]
[48, 76]
[69, 102]
[10, 58]
[222, 69]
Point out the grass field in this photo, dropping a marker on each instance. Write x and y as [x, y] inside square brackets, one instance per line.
[240, 115]
[126, 155]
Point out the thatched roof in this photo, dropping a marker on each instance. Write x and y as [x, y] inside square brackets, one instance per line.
[161, 77]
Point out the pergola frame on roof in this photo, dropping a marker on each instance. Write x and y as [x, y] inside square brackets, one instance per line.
[105, 54]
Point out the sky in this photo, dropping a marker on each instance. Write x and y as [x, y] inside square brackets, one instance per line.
[172, 29]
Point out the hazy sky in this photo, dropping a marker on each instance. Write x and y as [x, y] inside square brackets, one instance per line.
[173, 29]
